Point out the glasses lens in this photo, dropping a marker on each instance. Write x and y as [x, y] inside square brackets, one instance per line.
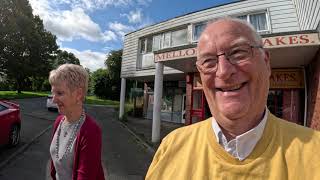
[208, 65]
[239, 54]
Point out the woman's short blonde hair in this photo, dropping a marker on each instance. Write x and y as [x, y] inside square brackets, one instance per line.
[75, 76]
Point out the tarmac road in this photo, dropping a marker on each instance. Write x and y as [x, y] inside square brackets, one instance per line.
[123, 157]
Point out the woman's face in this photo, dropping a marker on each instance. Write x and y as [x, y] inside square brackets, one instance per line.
[67, 100]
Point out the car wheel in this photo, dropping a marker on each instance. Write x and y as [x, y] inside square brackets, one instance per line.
[14, 137]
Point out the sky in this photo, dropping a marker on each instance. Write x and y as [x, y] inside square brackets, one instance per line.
[90, 29]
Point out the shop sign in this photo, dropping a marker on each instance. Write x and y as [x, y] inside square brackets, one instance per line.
[179, 54]
[286, 78]
[291, 40]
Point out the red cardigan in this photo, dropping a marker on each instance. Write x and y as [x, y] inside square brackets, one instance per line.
[87, 157]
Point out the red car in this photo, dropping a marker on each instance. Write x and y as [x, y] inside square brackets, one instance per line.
[10, 123]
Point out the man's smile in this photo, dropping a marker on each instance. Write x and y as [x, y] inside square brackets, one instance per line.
[231, 88]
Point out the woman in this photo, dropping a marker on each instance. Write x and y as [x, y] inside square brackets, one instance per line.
[76, 143]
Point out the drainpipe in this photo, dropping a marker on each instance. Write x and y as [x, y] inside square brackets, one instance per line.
[305, 97]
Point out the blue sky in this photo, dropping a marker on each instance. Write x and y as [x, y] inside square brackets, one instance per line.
[92, 28]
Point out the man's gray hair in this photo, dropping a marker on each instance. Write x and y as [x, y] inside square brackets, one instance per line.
[253, 31]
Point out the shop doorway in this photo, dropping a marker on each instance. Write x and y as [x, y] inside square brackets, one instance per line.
[287, 104]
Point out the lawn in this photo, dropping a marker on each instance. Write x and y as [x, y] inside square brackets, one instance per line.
[23, 94]
[28, 94]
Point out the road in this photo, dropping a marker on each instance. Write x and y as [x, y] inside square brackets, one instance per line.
[32, 152]
[122, 157]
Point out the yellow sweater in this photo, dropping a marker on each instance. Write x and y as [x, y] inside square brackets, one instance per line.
[285, 151]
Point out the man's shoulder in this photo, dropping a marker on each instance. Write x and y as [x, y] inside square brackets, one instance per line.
[297, 133]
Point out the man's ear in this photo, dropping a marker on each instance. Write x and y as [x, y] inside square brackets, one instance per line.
[267, 61]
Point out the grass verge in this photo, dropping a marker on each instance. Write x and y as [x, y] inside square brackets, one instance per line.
[22, 95]
[27, 94]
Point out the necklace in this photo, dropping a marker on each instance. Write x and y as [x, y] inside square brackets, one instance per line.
[66, 129]
[71, 138]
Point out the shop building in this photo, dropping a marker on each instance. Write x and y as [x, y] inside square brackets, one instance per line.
[163, 56]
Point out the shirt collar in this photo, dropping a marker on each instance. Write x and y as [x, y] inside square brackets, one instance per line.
[244, 143]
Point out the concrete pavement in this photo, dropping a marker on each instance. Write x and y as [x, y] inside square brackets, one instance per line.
[124, 157]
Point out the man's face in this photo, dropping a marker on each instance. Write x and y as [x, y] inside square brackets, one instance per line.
[234, 91]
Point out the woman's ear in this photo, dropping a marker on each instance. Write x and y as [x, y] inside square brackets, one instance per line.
[79, 95]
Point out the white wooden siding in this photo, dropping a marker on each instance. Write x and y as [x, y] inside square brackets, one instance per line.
[282, 16]
[308, 13]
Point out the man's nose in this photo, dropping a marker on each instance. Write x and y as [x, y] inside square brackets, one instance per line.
[225, 68]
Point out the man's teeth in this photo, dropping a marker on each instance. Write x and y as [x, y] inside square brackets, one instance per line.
[231, 88]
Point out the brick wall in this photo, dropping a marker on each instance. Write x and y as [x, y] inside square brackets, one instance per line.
[313, 116]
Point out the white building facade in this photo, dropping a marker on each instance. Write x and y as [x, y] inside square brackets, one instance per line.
[163, 56]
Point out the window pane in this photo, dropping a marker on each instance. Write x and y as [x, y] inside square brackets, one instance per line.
[198, 28]
[142, 46]
[179, 37]
[149, 44]
[156, 42]
[2, 108]
[166, 41]
[259, 21]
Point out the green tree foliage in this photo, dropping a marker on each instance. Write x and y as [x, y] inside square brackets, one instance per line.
[106, 83]
[64, 57]
[113, 63]
[90, 83]
[102, 83]
[26, 48]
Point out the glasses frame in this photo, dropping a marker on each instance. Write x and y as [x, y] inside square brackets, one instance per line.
[227, 55]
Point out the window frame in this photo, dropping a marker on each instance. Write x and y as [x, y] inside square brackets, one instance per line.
[266, 13]
[163, 37]
[144, 40]
[193, 29]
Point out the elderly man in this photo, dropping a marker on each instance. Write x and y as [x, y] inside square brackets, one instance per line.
[242, 140]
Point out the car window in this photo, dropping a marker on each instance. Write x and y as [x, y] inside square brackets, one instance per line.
[2, 108]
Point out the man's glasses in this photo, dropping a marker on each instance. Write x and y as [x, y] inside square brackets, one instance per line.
[235, 55]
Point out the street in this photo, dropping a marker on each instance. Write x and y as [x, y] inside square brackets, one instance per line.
[122, 157]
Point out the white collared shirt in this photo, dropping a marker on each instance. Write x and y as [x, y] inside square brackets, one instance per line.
[242, 145]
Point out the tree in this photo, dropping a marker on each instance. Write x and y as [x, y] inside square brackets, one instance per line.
[90, 83]
[64, 57]
[113, 63]
[101, 83]
[26, 48]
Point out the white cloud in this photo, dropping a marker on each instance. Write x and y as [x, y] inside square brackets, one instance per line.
[144, 2]
[134, 16]
[97, 4]
[120, 28]
[68, 25]
[89, 59]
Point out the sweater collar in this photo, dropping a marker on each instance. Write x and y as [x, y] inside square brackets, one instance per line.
[242, 145]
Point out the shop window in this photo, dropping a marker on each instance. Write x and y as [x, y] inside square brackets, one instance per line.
[275, 104]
